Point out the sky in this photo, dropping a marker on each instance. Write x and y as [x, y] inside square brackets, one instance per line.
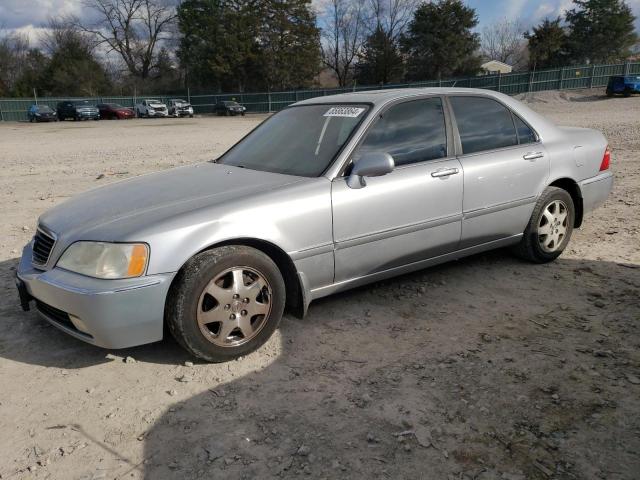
[29, 15]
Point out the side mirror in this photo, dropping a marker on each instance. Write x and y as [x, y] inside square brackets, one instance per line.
[373, 164]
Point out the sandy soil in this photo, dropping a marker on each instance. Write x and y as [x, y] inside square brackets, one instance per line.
[487, 368]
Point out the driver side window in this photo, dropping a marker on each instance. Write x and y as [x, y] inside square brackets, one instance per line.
[410, 132]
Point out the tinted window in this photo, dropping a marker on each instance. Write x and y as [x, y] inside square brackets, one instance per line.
[301, 140]
[483, 123]
[410, 132]
[525, 134]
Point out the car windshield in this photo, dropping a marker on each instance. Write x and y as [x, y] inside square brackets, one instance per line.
[82, 103]
[301, 140]
[632, 79]
[114, 105]
[180, 101]
[231, 104]
[153, 101]
[44, 108]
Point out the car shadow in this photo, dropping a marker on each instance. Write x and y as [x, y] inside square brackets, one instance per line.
[473, 369]
[481, 368]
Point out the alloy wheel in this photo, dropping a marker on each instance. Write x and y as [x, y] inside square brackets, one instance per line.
[234, 306]
[553, 226]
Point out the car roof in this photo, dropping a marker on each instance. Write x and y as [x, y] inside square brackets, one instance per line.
[381, 97]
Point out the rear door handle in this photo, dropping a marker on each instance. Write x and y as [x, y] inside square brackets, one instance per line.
[444, 172]
[533, 155]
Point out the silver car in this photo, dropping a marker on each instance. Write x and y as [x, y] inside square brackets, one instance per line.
[331, 193]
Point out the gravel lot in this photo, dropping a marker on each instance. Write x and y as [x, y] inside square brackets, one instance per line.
[486, 368]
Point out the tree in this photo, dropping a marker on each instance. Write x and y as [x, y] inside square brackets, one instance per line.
[289, 44]
[33, 74]
[547, 44]
[14, 49]
[380, 61]
[343, 34]
[503, 41]
[133, 29]
[440, 41]
[601, 31]
[73, 68]
[248, 44]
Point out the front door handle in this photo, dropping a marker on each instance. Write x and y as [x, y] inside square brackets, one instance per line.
[444, 172]
[533, 155]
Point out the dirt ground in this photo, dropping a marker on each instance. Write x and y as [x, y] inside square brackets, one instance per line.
[486, 368]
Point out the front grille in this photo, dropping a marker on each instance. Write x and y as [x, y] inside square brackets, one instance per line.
[54, 314]
[42, 246]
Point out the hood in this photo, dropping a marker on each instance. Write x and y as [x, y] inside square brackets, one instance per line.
[117, 209]
[156, 105]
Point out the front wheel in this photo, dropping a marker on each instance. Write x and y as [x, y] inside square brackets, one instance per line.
[549, 228]
[226, 303]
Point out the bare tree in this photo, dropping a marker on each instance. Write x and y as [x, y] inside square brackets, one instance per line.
[391, 16]
[504, 41]
[343, 33]
[133, 29]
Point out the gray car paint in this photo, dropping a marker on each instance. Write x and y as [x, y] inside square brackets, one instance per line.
[336, 237]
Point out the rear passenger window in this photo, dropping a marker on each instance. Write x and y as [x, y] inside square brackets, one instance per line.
[410, 132]
[483, 123]
[525, 134]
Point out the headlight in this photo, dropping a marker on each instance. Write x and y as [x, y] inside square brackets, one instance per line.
[106, 260]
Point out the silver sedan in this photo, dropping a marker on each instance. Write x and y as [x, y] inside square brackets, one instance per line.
[329, 194]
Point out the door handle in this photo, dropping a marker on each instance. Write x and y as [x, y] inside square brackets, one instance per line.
[444, 172]
[533, 155]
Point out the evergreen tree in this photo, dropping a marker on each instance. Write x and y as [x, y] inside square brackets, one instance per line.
[289, 44]
[440, 41]
[548, 45]
[602, 31]
[381, 61]
[248, 44]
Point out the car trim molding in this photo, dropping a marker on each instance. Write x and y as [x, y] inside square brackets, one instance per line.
[394, 232]
[410, 267]
[498, 208]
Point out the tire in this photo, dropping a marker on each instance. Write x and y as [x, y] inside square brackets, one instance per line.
[213, 273]
[609, 93]
[540, 248]
[627, 92]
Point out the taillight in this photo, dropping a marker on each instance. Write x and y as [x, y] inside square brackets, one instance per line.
[606, 160]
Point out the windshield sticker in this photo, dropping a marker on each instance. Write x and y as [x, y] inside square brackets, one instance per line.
[351, 112]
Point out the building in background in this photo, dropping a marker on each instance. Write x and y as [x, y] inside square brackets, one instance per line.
[493, 67]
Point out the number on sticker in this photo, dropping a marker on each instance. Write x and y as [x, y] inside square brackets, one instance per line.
[350, 112]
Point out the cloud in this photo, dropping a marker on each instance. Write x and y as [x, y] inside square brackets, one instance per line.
[16, 14]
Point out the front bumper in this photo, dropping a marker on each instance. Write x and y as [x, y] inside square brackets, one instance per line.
[106, 313]
[158, 113]
[595, 190]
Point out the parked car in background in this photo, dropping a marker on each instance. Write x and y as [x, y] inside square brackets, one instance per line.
[328, 194]
[41, 113]
[623, 85]
[180, 108]
[151, 108]
[77, 110]
[228, 108]
[114, 111]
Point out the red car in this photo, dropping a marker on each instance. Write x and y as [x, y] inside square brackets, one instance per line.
[110, 111]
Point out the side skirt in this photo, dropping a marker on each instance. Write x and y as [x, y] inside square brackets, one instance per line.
[412, 267]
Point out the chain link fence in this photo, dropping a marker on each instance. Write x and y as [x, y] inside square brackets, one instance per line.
[588, 76]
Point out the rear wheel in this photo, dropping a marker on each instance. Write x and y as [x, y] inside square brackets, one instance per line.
[549, 228]
[226, 302]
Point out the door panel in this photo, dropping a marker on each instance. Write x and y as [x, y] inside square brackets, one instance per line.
[505, 168]
[403, 217]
